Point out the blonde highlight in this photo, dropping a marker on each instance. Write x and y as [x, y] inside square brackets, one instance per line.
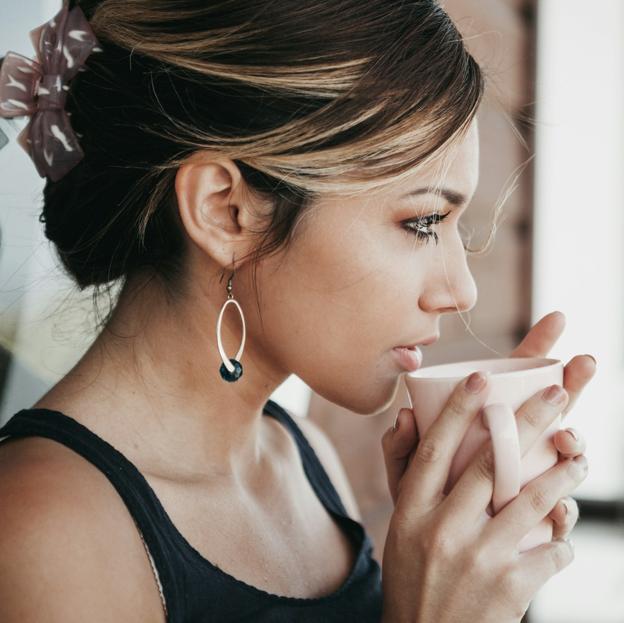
[385, 90]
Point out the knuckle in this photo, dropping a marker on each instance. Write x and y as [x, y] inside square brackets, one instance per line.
[512, 587]
[441, 544]
[539, 500]
[513, 590]
[402, 528]
[428, 451]
[561, 556]
[481, 560]
[533, 415]
[455, 405]
[484, 466]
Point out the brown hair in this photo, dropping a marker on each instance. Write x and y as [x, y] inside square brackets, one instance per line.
[304, 97]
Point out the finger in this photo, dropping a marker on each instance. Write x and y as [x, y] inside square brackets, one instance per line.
[397, 445]
[534, 502]
[542, 336]
[564, 517]
[569, 442]
[427, 473]
[535, 566]
[576, 375]
[472, 493]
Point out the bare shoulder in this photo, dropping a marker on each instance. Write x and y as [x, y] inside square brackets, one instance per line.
[327, 454]
[68, 542]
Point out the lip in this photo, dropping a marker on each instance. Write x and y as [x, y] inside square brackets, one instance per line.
[426, 342]
[409, 359]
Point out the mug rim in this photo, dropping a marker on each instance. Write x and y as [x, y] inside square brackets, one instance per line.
[549, 362]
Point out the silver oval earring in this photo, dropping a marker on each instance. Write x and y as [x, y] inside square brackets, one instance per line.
[231, 369]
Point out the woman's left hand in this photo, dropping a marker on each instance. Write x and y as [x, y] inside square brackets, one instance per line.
[576, 375]
[402, 443]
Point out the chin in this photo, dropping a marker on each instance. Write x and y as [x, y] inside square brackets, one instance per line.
[374, 400]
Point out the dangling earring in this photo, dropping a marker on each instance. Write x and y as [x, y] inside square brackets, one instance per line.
[231, 369]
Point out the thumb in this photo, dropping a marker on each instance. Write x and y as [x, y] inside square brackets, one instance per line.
[398, 446]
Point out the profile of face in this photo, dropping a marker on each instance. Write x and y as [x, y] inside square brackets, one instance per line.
[363, 274]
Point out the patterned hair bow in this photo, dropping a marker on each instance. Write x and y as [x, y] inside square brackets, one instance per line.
[38, 88]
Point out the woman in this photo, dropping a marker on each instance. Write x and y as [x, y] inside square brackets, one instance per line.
[308, 163]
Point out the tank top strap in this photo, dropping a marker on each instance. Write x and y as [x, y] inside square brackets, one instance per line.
[141, 501]
[313, 467]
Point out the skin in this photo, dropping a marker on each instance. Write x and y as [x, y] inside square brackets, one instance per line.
[353, 284]
[400, 442]
[350, 264]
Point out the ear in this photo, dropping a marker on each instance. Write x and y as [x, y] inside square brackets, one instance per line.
[218, 211]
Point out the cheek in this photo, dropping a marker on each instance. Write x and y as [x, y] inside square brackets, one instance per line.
[337, 308]
[339, 286]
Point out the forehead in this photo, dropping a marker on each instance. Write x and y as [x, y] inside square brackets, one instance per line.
[456, 168]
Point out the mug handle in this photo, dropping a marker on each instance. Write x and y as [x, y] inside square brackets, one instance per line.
[501, 421]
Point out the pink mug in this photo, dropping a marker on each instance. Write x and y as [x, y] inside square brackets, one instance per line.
[512, 382]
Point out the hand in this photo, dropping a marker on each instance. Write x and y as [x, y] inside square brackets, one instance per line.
[399, 446]
[443, 559]
[576, 375]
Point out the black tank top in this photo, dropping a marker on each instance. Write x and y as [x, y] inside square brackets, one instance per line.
[193, 589]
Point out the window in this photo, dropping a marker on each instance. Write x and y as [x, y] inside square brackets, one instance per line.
[578, 264]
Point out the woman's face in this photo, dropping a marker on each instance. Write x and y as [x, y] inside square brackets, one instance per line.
[357, 281]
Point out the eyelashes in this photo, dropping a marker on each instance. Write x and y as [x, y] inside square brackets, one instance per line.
[421, 227]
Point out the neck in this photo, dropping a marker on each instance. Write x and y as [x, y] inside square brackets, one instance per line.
[156, 364]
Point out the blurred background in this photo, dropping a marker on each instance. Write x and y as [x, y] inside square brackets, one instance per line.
[552, 147]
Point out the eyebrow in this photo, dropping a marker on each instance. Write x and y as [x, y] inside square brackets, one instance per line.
[453, 197]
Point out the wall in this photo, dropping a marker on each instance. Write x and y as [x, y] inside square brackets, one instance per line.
[500, 34]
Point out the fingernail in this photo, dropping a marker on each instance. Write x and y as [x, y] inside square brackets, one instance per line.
[475, 382]
[594, 359]
[395, 426]
[573, 433]
[566, 508]
[554, 395]
[570, 542]
[581, 460]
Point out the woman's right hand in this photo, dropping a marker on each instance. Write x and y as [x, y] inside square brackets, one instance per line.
[445, 560]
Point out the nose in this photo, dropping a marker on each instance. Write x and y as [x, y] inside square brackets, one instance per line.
[451, 287]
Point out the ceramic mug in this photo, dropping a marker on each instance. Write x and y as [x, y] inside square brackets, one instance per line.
[512, 382]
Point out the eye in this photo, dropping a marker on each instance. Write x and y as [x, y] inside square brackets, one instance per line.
[421, 227]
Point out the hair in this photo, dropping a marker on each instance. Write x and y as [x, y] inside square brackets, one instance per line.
[304, 97]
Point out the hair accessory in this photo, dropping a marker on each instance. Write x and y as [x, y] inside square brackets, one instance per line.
[231, 369]
[38, 88]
